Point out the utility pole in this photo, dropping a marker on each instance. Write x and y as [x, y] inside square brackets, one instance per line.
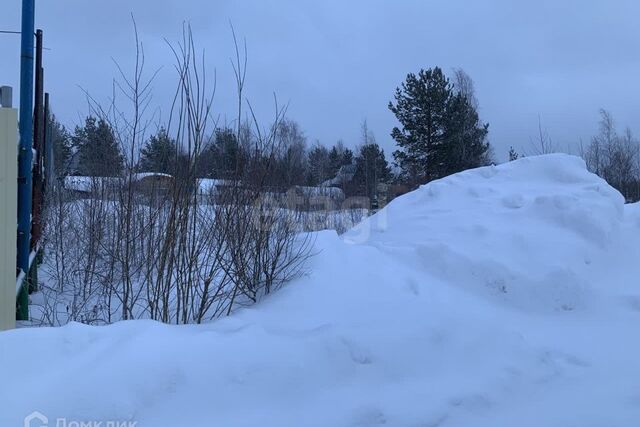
[48, 147]
[25, 154]
[38, 145]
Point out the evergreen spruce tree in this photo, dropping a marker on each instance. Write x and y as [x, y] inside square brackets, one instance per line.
[159, 154]
[98, 151]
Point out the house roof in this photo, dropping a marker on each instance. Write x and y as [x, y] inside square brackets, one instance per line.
[344, 176]
[85, 184]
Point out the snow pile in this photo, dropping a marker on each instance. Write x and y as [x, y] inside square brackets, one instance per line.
[502, 296]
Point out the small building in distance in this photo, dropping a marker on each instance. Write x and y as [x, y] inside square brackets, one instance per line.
[314, 198]
[150, 185]
[343, 177]
[83, 187]
[155, 183]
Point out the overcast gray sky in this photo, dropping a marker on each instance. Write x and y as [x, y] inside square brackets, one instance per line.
[338, 62]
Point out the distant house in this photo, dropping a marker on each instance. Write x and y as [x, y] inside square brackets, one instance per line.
[213, 191]
[314, 198]
[86, 186]
[153, 183]
[148, 184]
[298, 197]
[73, 162]
[343, 177]
[384, 193]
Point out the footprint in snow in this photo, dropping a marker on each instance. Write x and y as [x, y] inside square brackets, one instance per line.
[358, 354]
[514, 201]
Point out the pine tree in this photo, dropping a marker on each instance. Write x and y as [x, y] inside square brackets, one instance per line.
[347, 157]
[98, 151]
[223, 158]
[441, 131]
[335, 161]
[339, 156]
[229, 153]
[61, 140]
[421, 109]
[158, 154]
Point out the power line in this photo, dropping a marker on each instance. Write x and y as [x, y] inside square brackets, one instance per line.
[18, 32]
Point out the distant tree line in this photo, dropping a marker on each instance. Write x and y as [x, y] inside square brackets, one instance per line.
[92, 150]
[440, 133]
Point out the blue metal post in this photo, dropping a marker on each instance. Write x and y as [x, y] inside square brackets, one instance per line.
[25, 154]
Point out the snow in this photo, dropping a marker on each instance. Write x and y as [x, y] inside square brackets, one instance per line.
[85, 184]
[344, 176]
[501, 296]
[142, 175]
[78, 183]
[310, 192]
[208, 186]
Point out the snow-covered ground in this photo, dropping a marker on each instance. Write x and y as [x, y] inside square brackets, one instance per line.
[503, 296]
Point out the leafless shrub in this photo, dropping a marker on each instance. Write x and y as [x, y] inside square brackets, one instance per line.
[543, 144]
[616, 158]
[115, 255]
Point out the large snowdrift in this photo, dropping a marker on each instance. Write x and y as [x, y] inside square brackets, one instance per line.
[502, 296]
